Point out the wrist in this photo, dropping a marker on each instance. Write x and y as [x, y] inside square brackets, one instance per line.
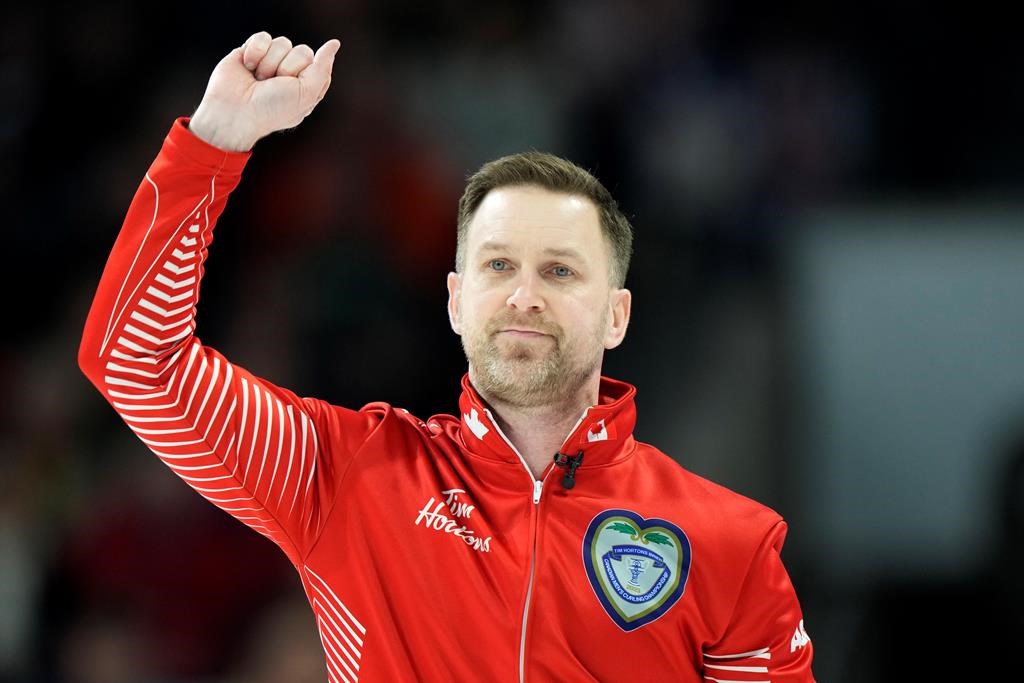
[224, 137]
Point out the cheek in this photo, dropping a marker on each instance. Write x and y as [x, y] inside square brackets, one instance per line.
[597, 320]
[474, 310]
[484, 301]
[581, 323]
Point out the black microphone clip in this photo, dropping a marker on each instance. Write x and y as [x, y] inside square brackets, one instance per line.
[570, 463]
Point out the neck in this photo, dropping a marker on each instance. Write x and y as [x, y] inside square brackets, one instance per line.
[537, 432]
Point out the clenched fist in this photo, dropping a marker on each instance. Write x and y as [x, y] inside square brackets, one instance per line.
[263, 86]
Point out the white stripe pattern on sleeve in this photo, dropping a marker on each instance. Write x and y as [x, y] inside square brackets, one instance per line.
[231, 438]
[739, 667]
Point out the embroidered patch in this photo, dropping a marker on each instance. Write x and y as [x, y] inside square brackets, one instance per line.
[599, 432]
[637, 567]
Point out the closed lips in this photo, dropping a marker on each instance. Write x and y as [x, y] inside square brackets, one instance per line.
[526, 333]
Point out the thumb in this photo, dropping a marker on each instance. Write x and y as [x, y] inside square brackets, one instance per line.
[233, 57]
[317, 76]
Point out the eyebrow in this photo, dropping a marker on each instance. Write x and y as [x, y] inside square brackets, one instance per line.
[560, 252]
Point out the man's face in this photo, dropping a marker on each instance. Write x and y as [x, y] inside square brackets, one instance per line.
[534, 305]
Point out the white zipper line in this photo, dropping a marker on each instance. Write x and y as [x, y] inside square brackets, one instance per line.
[526, 613]
[487, 412]
[533, 568]
[538, 487]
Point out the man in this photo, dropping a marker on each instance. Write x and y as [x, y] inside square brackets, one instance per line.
[529, 538]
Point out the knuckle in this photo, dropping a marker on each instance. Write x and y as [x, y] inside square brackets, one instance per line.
[281, 41]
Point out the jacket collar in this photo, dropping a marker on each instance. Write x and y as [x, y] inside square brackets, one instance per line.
[604, 432]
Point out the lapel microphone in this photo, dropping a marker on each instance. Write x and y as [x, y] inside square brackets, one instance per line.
[570, 463]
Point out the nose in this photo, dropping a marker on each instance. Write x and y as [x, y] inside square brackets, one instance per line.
[527, 295]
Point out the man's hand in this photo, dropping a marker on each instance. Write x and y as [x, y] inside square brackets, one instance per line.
[263, 86]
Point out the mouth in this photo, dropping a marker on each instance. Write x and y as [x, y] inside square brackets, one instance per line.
[523, 333]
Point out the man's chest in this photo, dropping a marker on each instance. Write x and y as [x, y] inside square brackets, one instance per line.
[440, 561]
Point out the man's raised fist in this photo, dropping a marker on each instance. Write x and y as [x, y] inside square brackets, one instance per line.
[263, 86]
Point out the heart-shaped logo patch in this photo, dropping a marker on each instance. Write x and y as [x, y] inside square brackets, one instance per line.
[637, 567]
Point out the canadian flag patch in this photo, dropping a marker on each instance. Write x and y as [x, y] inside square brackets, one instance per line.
[475, 425]
[597, 432]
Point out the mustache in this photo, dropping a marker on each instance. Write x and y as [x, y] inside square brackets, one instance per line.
[506, 320]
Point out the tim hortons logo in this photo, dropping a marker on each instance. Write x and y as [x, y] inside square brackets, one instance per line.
[445, 516]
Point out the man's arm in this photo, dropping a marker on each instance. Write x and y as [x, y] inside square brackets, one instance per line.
[765, 638]
[248, 446]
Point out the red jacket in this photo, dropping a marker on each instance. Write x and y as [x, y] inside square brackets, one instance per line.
[427, 549]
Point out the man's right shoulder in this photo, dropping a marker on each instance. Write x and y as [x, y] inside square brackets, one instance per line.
[377, 419]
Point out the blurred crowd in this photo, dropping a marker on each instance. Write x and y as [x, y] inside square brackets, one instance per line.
[716, 125]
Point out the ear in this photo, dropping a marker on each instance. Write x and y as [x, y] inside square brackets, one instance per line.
[454, 292]
[621, 302]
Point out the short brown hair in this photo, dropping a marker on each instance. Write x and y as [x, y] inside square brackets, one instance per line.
[558, 175]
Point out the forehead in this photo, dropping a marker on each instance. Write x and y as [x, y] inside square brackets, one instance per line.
[529, 216]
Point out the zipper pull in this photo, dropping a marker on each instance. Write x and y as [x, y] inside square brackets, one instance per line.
[537, 484]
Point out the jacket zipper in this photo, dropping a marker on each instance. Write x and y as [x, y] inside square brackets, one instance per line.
[538, 488]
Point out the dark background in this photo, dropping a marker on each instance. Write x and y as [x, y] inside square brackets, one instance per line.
[828, 288]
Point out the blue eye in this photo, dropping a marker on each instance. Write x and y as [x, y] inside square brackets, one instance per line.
[561, 271]
[498, 264]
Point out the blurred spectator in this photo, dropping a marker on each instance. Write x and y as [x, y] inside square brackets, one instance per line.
[283, 646]
[100, 647]
[158, 574]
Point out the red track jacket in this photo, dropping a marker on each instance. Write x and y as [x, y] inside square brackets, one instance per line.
[428, 550]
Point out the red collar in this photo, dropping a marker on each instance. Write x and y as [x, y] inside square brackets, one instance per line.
[604, 432]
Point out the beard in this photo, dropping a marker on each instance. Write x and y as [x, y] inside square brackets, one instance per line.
[530, 373]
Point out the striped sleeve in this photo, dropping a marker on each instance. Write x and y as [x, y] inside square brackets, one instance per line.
[251, 448]
[765, 641]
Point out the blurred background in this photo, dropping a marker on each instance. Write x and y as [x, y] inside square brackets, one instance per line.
[828, 288]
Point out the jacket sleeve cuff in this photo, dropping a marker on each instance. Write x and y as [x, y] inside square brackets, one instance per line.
[185, 143]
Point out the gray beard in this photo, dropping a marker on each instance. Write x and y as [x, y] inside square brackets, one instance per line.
[522, 377]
